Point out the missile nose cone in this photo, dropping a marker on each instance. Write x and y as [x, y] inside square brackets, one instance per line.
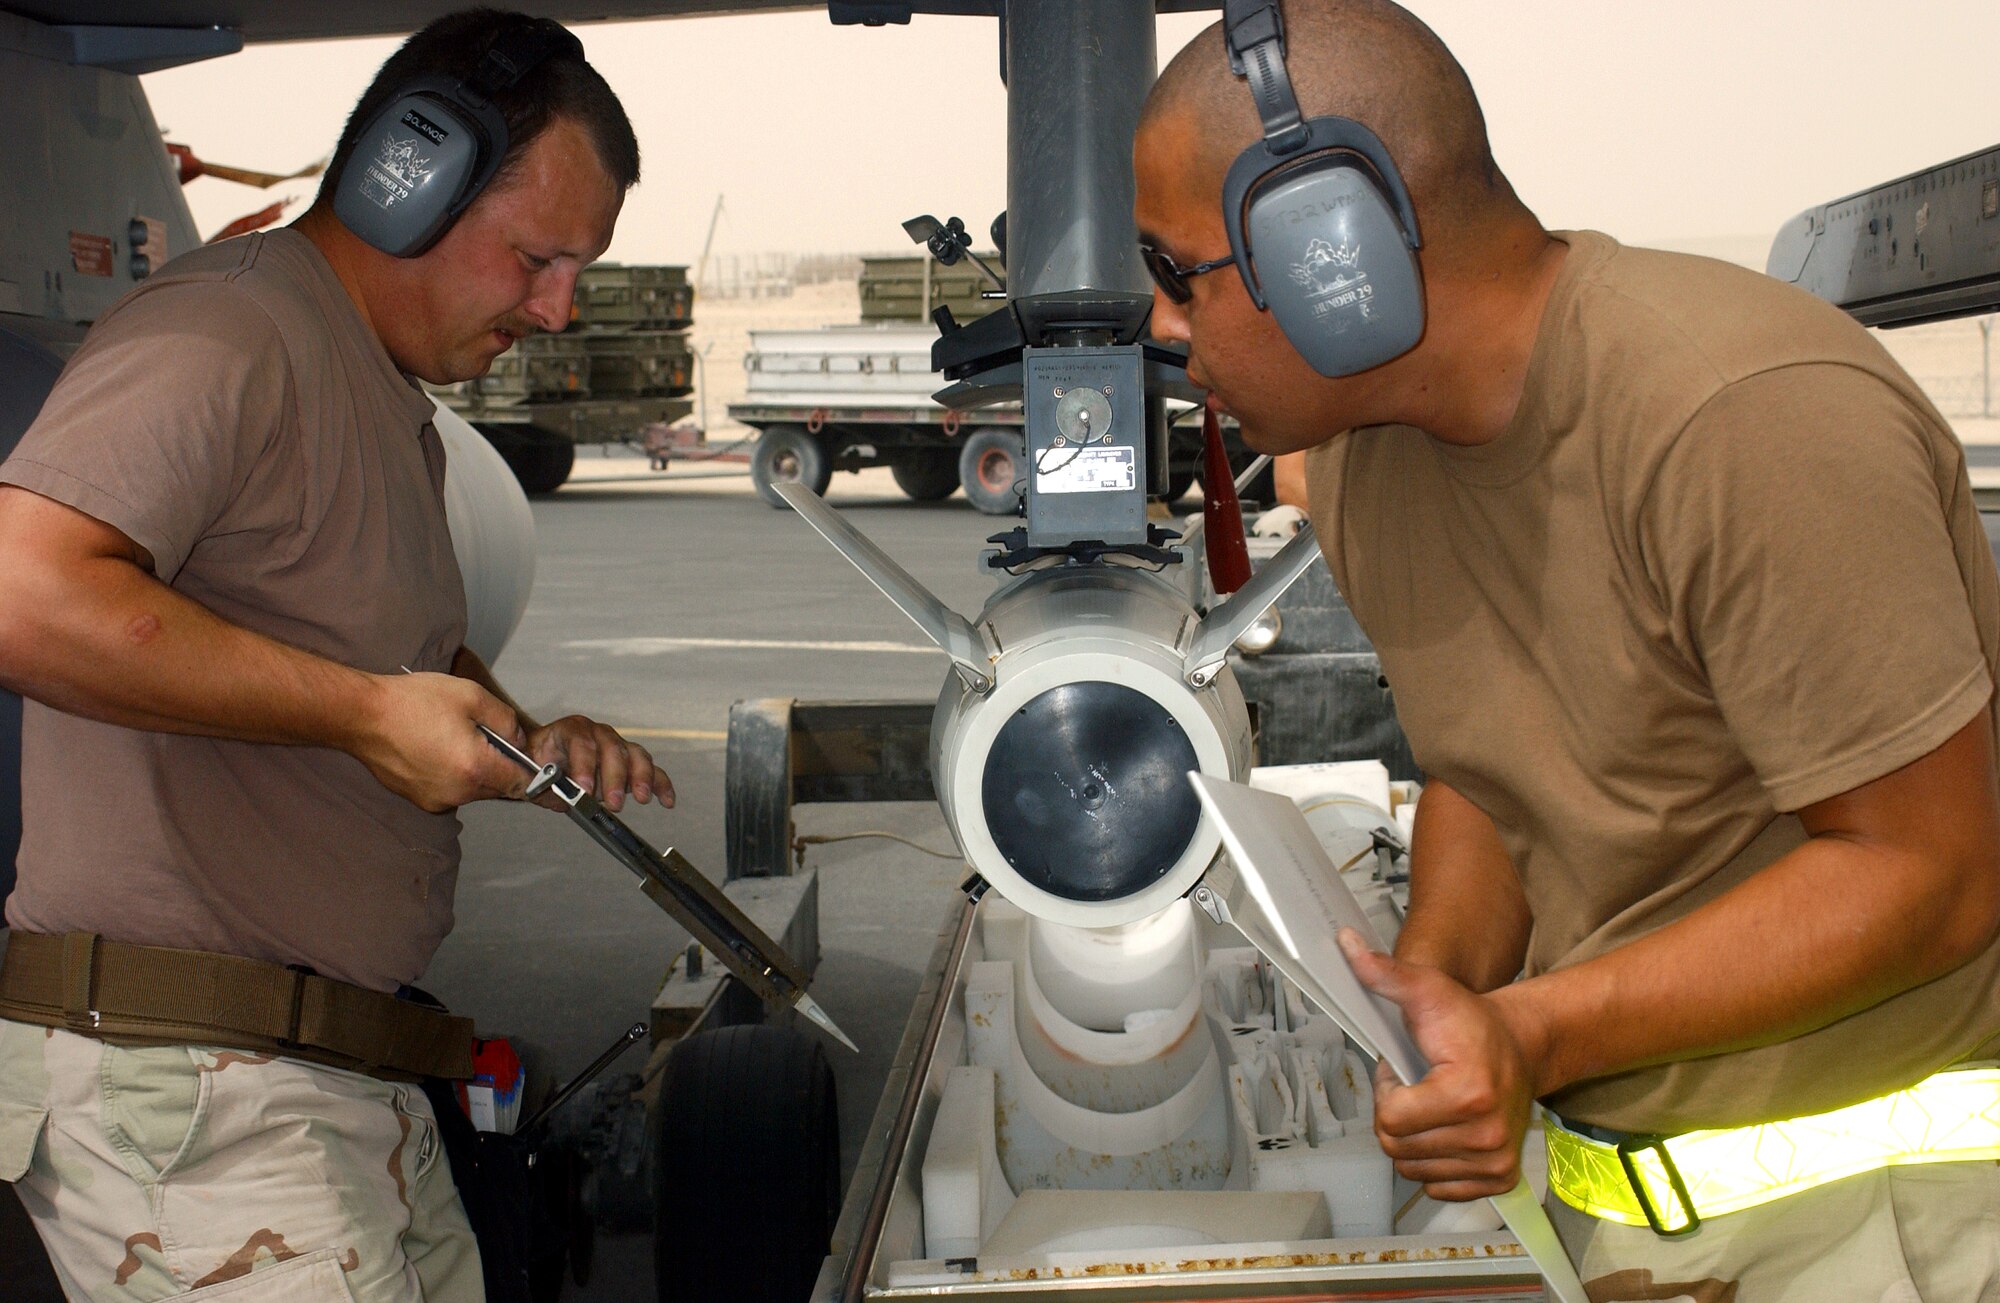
[1085, 794]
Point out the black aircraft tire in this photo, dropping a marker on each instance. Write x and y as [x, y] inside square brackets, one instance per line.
[926, 475]
[789, 454]
[992, 468]
[746, 1167]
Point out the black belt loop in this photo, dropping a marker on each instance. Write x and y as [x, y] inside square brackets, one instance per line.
[1631, 1145]
[79, 980]
[299, 972]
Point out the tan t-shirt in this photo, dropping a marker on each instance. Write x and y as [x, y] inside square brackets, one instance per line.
[1723, 564]
[237, 419]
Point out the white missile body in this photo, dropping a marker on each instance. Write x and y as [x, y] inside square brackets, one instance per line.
[1078, 702]
[492, 534]
[1088, 830]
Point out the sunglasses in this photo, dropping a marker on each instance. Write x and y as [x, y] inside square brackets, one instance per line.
[1171, 277]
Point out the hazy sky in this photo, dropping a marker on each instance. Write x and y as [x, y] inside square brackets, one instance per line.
[1652, 119]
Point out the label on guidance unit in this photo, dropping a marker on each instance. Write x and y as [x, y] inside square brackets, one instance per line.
[1099, 469]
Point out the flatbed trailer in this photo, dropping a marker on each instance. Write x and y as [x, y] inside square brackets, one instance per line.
[622, 366]
[539, 440]
[843, 398]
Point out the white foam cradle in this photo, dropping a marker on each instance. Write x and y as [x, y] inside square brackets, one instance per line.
[1154, 1099]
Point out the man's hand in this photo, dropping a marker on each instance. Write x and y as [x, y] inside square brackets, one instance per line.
[1458, 1131]
[420, 741]
[602, 763]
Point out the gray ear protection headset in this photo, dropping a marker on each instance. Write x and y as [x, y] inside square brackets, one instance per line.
[436, 143]
[1320, 223]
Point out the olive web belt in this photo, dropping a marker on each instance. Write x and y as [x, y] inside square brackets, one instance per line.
[153, 995]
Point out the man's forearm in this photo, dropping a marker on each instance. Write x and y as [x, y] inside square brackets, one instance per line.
[87, 629]
[118, 645]
[1901, 889]
[1765, 962]
[1468, 915]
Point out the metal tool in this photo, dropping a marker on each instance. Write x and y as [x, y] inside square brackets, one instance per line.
[679, 888]
[633, 1035]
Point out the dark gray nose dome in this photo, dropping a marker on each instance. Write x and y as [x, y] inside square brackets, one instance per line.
[1086, 792]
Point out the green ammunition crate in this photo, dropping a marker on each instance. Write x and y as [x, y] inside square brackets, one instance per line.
[614, 296]
[538, 369]
[893, 289]
[639, 364]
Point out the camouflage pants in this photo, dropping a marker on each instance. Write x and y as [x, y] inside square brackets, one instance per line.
[182, 1172]
[1928, 1234]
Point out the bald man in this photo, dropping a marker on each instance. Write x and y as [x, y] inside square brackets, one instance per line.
[1694, 629]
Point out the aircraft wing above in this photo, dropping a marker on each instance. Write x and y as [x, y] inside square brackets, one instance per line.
[298, 20]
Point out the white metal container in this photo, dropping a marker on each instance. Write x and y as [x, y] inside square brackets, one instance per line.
[836, 365]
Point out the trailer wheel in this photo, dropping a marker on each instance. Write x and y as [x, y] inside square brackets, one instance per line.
[746, 1167]
[786, 454]
[926, 475]
[551, 460]
[992, 467]
[540, 459]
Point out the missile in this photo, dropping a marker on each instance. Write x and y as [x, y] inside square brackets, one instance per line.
[1076, 704]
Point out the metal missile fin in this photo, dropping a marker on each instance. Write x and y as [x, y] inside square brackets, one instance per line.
[683, 891]
[952, 632]
[1279, 889]
[1221, 627]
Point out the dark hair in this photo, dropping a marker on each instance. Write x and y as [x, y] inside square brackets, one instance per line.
[558, 87]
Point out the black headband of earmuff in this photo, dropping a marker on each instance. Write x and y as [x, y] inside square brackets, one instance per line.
[1254, 31]
[516, 53]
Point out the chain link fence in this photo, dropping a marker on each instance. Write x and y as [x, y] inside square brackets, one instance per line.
[1959, 396]
[1953, 361]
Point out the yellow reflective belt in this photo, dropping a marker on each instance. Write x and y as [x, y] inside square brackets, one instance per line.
[1953, 1116]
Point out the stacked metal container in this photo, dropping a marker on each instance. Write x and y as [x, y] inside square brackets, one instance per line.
[911, 288]
[632, 322]
[621, 368]
[627, 338]
[538, 369]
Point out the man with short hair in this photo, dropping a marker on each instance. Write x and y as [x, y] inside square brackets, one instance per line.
[231, 599]
[1693, 628]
